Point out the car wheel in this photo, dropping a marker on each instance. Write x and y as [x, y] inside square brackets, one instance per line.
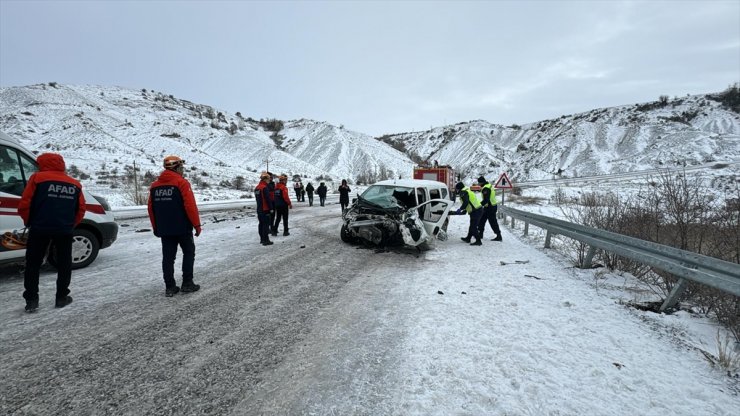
[85, 247]
[346, 236]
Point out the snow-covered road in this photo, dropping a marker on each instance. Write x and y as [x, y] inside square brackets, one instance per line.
[311, 325]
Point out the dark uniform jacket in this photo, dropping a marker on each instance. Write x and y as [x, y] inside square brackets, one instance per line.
[172, 208]
[52, 201]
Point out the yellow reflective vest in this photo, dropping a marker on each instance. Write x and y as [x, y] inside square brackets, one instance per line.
[493, 193]
[472, 201]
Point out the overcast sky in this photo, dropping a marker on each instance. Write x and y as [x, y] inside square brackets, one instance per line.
[380, 67]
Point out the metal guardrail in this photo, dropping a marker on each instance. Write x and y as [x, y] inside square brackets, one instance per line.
[716, 273]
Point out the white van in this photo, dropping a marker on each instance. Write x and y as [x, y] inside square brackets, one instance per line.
[97, 230]
[395, 212]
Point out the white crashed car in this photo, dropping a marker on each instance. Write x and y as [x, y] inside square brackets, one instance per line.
[399, 212]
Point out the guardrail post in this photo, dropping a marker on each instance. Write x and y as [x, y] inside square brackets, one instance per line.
[526, 229]
[675, 294]
[513, 225]
[547, 239]
[589, 257]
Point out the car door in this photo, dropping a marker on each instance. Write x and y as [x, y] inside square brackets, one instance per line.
[435, 214]
[15, 169]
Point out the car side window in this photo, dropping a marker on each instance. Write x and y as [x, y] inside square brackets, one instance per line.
[11, 175]
[420, 199]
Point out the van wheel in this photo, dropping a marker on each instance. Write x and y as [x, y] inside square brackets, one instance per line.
[85, 247]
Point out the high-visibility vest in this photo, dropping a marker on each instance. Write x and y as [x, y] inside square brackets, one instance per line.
[493, 193]
[473, 202]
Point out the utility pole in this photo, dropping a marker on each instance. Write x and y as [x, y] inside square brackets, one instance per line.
[267, 160]
[137, 197]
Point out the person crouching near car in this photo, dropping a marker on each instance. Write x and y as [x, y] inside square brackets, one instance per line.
[51, 206]
[282, 205]
[470, 205]
[265, 208]
[173, 214]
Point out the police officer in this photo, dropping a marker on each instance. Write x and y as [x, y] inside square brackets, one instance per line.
[173, 214]
[470, 205]
[51, 206]
[488, 195]
[265, 207]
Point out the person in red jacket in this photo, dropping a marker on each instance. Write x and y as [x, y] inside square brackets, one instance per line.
[265, 207]
[51, 206]
[173, 214]
[282, 205]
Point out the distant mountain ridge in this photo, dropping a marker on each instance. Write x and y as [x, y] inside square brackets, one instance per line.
[103, 130]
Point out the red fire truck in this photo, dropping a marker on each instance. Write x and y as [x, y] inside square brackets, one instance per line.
[439, 173]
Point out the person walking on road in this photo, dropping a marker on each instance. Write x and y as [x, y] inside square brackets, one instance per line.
[297, 187]
[282, 205]
[51, 206]
[344, 191]
[321, 192]
[309, 191]
[490, 208]
[174, 214]
[265, 208]
[470, 205]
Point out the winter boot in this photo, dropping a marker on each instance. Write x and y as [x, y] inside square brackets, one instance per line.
[171, 291]
[477, 242]
[465, 239]
[188, 287]
[498, 238]
[267, 243]
[32, 305]
[286, 233]
[62, 302]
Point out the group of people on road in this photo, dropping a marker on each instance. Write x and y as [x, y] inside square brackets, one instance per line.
[53, 204]
[480, 212]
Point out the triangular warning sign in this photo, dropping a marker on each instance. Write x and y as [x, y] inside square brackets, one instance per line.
[503, 182]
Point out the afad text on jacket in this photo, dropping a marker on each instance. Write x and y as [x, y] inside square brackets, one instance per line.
[52, 201]
[171, 206]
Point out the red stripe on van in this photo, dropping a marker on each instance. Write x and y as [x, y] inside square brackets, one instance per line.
[6, 202]
[95, 209]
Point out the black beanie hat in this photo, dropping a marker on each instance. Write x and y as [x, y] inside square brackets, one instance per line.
[481, 180]
[459, 186]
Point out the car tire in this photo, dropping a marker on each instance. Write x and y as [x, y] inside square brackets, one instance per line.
[346, 236]
[85, 248]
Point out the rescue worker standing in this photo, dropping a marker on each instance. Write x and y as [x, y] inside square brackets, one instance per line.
[321, 192]
[265, 208]
[51, 206]
[470, 205]
[309, 191]
[282, 205]
[490, 208]
[173, 214]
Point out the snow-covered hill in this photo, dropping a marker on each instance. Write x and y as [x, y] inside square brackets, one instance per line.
[103, 131]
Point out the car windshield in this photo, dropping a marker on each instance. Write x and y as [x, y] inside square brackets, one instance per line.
[389, 196]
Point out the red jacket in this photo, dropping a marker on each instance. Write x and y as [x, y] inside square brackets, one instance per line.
[171, 206]
[282, 198]
[52, 201]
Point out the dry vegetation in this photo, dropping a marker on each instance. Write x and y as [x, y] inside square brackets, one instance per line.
[672, 210]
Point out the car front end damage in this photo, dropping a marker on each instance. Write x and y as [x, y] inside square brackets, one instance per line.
[371, 224]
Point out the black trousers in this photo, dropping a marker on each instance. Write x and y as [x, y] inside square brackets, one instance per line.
[281, 213]
[310, 200]
[169, 253]
[322, 199]
[264, 226]
[489, 215]
[38, 243]
[475, 217]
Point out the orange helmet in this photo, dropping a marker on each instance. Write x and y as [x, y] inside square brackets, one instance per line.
[173, 162]
[283, 178]
[265, 175]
